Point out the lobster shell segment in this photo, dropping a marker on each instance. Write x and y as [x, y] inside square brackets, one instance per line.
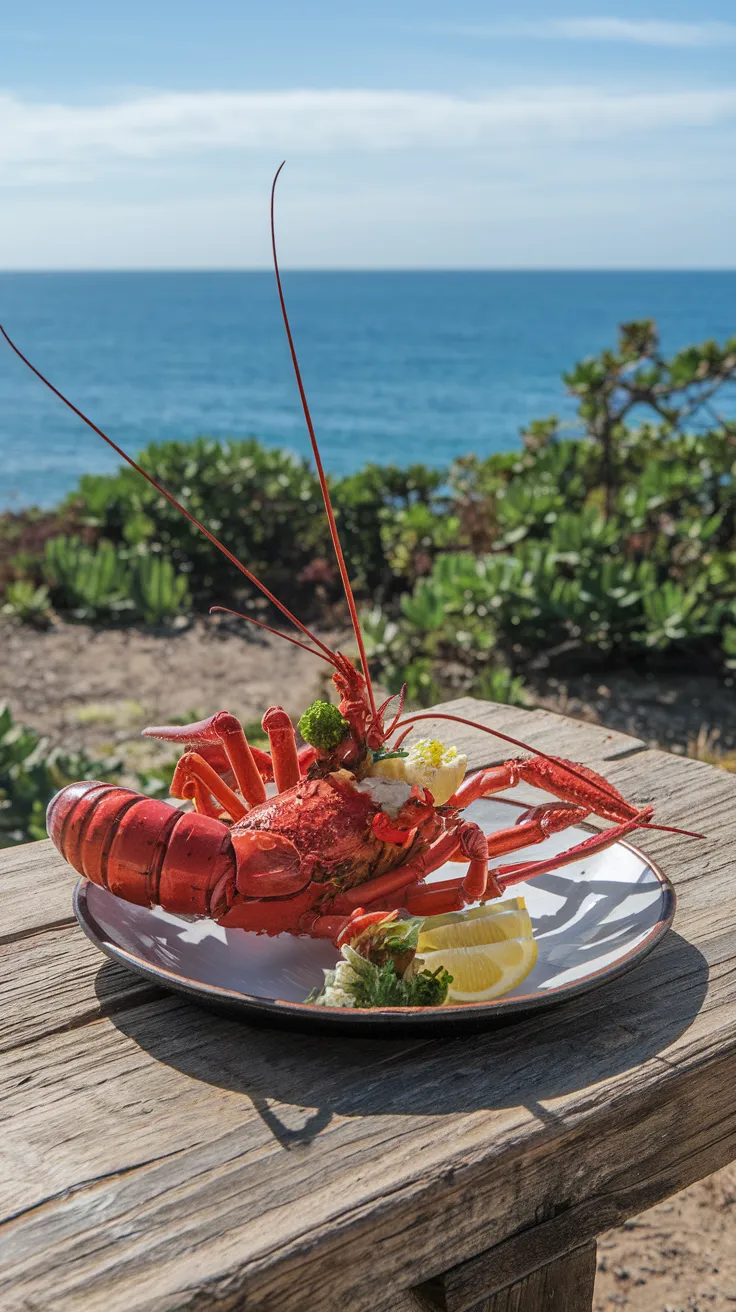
[144, 850]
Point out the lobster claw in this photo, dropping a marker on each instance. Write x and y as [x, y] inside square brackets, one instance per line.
[268, 864]
[206, 737]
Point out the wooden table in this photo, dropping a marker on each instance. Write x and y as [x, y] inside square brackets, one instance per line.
[156, 1156]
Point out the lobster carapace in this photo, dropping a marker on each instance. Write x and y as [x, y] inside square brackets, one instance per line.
[352, 822]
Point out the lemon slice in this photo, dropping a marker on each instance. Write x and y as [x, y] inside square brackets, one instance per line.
[474, 913]
[484, 972]
[429, 764]
[475, 930]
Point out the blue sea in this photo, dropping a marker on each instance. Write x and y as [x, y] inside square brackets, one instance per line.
[399, 367]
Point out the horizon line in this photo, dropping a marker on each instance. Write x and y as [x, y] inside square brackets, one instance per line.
[350, 269]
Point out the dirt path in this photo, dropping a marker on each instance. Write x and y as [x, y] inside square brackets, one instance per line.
[97, 688]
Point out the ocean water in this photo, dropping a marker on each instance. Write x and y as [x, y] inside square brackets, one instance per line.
[398, 366]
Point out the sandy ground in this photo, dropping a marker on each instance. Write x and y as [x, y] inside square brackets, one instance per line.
[666, 710]
[97, 689]
[678, 1257]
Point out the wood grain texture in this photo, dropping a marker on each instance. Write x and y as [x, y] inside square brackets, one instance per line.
[563, 1285]
[157, 1157]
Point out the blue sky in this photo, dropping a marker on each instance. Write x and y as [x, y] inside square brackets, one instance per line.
[426, 134]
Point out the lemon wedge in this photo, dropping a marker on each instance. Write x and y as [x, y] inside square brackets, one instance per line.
[486, 971]
[431, 765]
[514, 923]
[474, 913]
[388, 768]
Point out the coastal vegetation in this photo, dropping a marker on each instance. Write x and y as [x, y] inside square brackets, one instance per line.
[31, 771]
[609, 542]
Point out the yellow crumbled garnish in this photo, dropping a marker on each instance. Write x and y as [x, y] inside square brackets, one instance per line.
[431, 765]
[430, 751]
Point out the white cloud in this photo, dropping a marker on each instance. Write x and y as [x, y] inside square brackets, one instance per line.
[639, 31]
[44, 143]
[649, 32]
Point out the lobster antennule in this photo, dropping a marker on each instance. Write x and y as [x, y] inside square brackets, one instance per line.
[406, 725]
[318, 460]
[169, 497]
[225, 610]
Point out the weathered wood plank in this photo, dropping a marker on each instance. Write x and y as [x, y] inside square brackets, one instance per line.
[158, 1158]
[166, 1225]
[223, 1171]
[36, 888]
[52, 981]
[565, 1284]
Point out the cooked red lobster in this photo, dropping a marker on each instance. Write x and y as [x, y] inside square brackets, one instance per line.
[338, 843]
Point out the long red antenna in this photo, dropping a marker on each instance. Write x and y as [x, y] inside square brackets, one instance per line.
[171, 499]
[318, 459]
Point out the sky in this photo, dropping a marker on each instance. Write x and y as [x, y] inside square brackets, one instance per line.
[417, 134]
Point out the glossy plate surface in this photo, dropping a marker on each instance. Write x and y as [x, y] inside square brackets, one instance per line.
[592, 921]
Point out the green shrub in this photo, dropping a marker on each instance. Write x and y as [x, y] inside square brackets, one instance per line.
[27, 603]
[261, 502]
[91, 582]
[266, 506]
[30, 774]
[392, 523]
[157, 591]
[23, 535]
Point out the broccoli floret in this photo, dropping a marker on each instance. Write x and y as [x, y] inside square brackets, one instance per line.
[322, 726]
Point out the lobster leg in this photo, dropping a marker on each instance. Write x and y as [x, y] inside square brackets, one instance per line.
[451, 894]
[195, 779]
[517, 874]
[458, 844]
[282, 740]
[465, 840]
[204, 803]
[593, 792]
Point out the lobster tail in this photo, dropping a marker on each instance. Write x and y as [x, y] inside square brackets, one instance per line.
[143, 850]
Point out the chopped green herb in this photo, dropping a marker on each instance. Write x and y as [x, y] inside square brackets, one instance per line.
[356, 982]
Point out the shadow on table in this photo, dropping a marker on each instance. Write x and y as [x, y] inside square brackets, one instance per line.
[312, 1078]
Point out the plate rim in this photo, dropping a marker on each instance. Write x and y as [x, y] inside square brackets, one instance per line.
[449, 1016]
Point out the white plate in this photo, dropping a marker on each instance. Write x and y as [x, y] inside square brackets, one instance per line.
[592, 920]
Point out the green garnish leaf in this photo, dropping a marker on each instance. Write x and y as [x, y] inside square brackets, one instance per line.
[356, 982]
[389, 937]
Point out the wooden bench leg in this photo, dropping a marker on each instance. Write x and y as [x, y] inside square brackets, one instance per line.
[564, 1284]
